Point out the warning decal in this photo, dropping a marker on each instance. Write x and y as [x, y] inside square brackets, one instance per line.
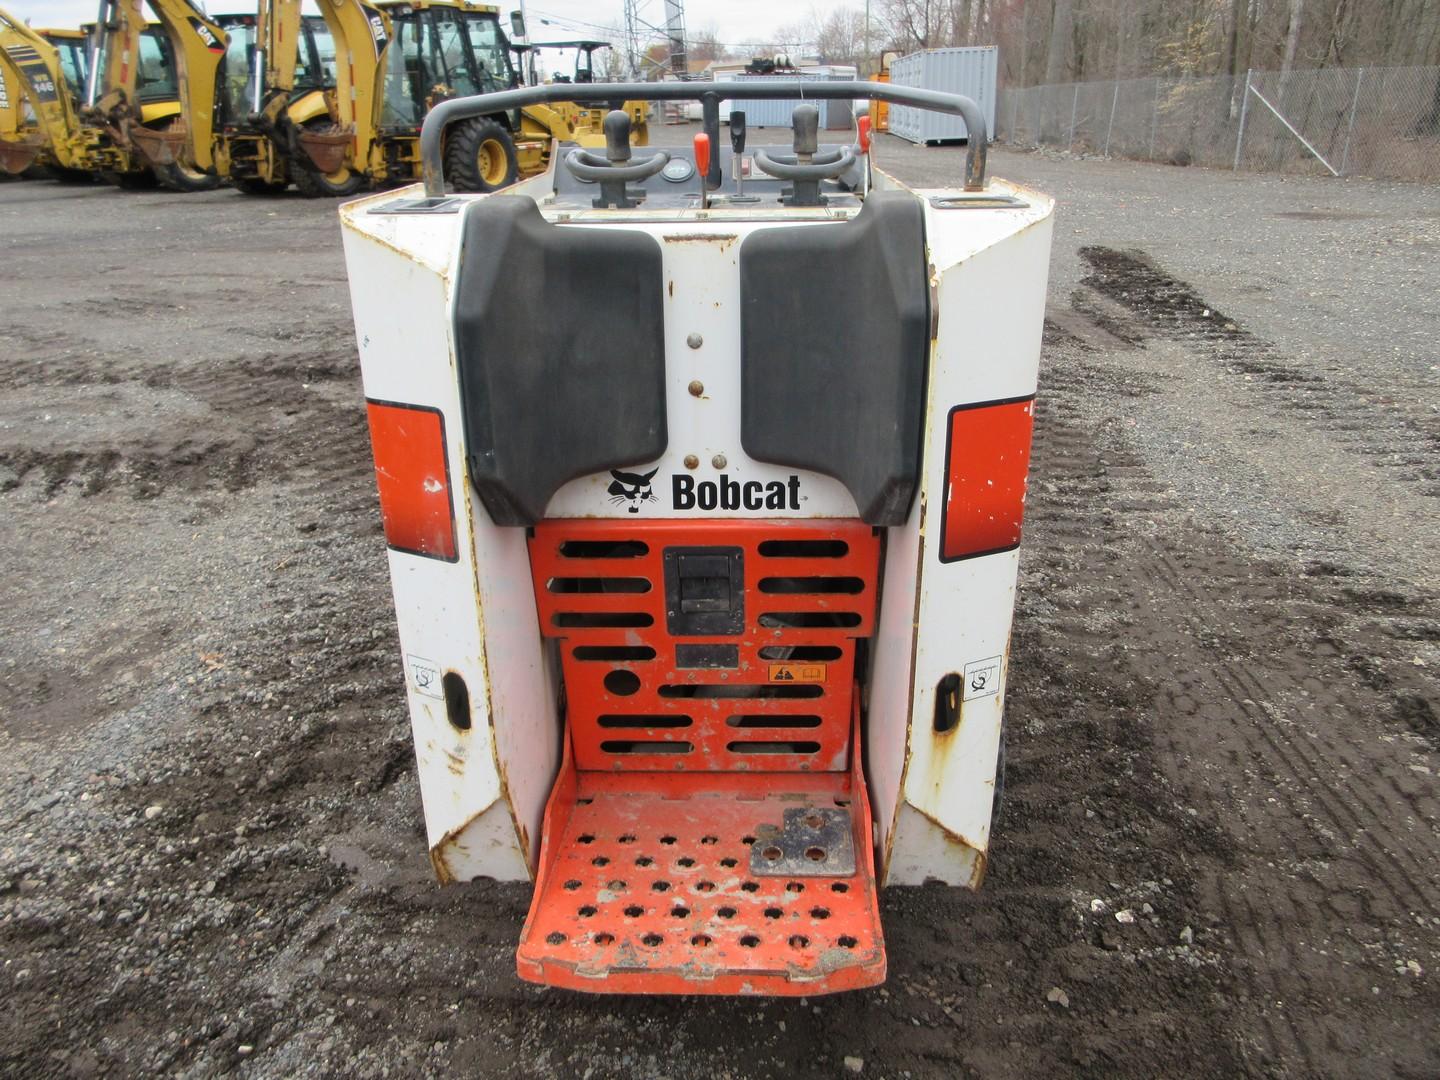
[982, 678]
[425, 676]
[797, 672]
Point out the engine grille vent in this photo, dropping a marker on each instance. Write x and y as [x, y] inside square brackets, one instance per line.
[774, 695]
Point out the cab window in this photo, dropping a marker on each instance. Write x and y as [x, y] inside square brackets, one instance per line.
[313, 71]
[492, 53]
[155, 76]
[239, 70]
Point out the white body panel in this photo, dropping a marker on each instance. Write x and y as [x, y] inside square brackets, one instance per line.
[484, 788]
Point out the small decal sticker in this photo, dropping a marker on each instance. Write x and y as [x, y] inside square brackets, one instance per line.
[982, 678]
[632, 489]
[424, 676]
[206, 36]
[797, 672]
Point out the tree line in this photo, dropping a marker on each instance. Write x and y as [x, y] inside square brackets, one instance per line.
[1060, 41]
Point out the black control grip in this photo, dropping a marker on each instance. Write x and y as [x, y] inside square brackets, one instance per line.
[737, 131]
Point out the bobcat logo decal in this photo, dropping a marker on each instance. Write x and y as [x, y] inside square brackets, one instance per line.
[632, 488]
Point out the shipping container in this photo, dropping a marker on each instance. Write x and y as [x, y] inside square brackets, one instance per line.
[835, 115]
[968, 71]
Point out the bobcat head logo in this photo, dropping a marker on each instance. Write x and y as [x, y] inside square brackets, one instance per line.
[632, 488]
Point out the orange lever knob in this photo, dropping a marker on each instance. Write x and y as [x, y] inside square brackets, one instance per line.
[702, 154]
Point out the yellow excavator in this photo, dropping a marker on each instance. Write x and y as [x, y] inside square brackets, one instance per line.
[21, 139]
[177, 148]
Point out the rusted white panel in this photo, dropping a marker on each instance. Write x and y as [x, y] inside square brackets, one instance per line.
[932, 791]
[484, 787]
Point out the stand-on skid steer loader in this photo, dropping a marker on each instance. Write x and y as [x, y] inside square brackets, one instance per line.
[704, 580]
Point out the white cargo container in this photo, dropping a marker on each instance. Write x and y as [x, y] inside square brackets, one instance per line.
[968, 71]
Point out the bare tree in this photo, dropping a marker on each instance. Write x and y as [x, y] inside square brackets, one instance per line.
[1062, 29]
[705, 44]
[1056, 41]
[840, 37]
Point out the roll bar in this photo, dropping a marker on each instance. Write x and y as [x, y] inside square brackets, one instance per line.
[710, 94]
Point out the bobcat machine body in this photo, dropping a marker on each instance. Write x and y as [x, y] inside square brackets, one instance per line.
[704, 581]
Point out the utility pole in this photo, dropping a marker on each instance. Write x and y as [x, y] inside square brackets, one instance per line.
[867, 41]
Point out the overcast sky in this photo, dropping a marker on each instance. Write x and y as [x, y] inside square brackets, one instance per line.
[738, 22]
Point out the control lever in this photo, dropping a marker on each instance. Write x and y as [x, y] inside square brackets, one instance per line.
[617, 137]
[737, 151]
[805, 129]
[614, 170]
[702, 164]
[807, 167]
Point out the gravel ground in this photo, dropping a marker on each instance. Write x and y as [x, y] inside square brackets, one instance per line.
[1217, 855]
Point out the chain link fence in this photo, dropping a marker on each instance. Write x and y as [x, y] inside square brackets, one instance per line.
[1378, 122]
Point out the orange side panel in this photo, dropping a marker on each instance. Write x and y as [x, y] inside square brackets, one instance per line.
[634, 700]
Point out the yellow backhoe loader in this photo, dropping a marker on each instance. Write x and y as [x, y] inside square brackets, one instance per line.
[40, 120]
[21, 140]
[276, 71]
[177, 148]
[587, 121]
[396, 61]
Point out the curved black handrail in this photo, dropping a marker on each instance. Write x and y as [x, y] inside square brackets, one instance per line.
[447, 112]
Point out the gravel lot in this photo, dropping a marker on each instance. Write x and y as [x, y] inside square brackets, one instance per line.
[1223, 708]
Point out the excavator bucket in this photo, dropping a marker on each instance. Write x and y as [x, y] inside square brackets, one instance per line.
[702, 475]
[159, 147]
[327, 149]
[17, 155]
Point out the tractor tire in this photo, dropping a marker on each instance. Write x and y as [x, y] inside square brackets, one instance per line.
[71, 176]
[144, 180]
[253, 185]
[314, 184]
[480, 156]
[178, 177]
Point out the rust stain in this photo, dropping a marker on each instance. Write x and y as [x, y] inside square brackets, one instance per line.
[437, 860]
[959, 841]
[723, 239]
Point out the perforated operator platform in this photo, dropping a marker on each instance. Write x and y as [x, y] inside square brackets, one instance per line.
[709, 832]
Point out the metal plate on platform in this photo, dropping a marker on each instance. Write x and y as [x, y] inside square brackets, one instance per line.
[814, 842]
